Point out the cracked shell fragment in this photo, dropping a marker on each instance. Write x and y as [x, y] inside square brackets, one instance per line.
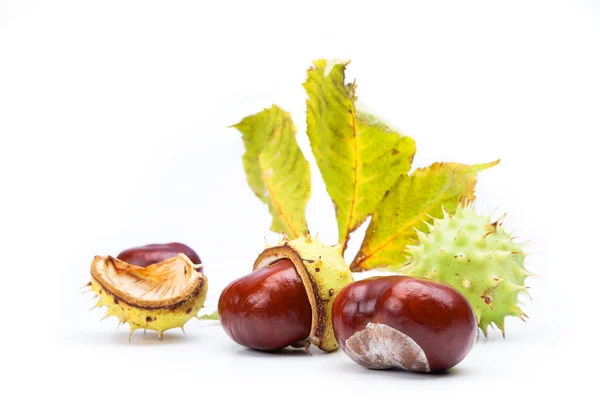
[158, 297]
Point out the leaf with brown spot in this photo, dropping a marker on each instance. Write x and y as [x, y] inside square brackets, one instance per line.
[359, 156]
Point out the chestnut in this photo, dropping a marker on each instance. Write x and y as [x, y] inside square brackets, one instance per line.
[143, 256]
[267, 309]
[287, 299]
[415, 324]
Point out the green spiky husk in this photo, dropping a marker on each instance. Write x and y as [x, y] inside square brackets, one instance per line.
[479, 258]
[158, 320]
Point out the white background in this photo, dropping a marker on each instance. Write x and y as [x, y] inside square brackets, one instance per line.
[114, 132]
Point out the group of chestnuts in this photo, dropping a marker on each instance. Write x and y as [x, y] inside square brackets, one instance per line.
[302, 293]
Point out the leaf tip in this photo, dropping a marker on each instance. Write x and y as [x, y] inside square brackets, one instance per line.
[327, 65]
[482, 167]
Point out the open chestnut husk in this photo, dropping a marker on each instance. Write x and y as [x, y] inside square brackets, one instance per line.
[287, 299]
[415, 324]
[154, 287]
[158, 297]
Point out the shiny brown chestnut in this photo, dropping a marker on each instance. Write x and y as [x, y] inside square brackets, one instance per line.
[267, 309]
[143, 256]
[287, 300]
[414, 324]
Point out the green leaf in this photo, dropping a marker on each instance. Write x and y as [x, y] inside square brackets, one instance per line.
[276, 169]
[410, 205]
[210, 317]
[359, 157]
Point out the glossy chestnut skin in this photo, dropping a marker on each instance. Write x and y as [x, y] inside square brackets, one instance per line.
[267, 309]
[153, 253]
[434, 315]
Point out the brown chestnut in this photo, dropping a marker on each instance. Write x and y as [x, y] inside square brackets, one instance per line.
[414, 324]
[267, 309]
[143, 256]
[288, 299]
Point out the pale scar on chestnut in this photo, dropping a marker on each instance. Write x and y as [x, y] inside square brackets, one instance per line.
[379, 346]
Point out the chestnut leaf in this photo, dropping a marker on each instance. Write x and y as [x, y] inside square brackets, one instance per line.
[214, 316]
[412, 203]
[276, 169]
[359, 157]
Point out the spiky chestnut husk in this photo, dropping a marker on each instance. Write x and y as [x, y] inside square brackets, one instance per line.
[158, 297]
[324, 273]
[479, 258]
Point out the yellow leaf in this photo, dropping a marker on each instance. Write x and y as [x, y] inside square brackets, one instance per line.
[276, 169]
[410, 205]
[359, 157]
